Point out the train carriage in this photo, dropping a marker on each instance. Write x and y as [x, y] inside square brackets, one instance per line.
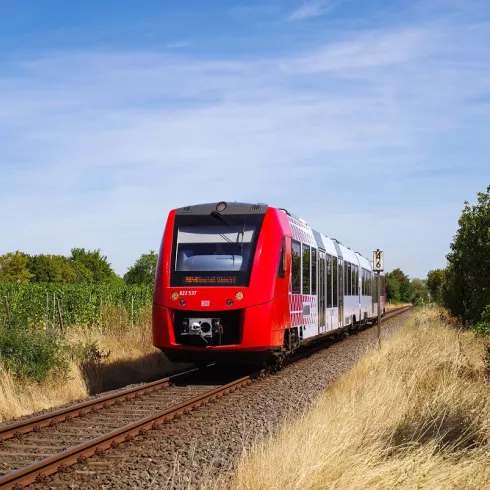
[249, 283]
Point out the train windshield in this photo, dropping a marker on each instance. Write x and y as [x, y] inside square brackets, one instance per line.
[213, 248]
[214, 251]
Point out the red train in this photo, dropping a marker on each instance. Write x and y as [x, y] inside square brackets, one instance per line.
[249, 283]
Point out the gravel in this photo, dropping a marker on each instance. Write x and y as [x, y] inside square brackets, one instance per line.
[207, 443]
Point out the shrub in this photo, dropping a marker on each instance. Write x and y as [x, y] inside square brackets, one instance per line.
[483, 327]
[32, 354]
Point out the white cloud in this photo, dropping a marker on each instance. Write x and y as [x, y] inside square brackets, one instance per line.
[314, 8]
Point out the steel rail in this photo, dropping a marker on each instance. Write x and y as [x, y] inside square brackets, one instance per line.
[51, 418]
[60, 462]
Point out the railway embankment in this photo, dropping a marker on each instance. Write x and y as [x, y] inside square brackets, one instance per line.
[48, 372]
[415, 414]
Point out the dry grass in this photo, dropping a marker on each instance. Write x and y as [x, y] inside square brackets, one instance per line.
[394, 306]
[19, 398]
[131, 359]
[413, 415]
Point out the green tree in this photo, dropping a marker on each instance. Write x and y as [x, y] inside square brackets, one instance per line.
[96, 263]
[143, 271]
[419, 291]
[435, 284]
[467, 286]
[13, 267]
[398, 277]
[57, 268]
[392, 289]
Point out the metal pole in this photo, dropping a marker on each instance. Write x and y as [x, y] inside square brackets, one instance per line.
[378, 325]
[60, 317]
[7, 309]
[132, 311]
[47, 311]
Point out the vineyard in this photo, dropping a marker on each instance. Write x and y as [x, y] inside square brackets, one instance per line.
[50, 305]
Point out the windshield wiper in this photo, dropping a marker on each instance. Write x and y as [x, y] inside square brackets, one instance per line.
[217, 215]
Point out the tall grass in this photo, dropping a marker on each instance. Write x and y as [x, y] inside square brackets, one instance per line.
[85, 361]
[414, 415]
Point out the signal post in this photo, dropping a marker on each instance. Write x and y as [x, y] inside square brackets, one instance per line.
[378, 267]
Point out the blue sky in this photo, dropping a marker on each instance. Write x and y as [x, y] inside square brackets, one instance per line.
[370, 119]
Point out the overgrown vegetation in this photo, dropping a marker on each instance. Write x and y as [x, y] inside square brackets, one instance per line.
[35, 305]
[42, 369]
[464, 285]
[35, 355]
[415, 414]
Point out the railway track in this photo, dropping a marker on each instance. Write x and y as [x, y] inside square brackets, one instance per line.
[33, 449]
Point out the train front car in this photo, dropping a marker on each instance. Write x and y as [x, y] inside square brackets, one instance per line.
[221, 287]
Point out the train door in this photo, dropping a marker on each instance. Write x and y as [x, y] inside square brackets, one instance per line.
[321, 293]
[341, 292]
[359, 290]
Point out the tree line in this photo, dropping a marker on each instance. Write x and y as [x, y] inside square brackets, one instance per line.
[81, 267]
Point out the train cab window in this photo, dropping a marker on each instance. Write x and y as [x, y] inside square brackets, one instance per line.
[296, 267]
[306, 269]
[329, 281]
[334, 282]
[281, 270]
[313, 270]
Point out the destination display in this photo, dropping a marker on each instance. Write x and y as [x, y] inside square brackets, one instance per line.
[210, 280]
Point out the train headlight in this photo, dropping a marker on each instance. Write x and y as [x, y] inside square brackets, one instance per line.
[239, 295]
[175, 296]
[182, 302]
[229, 302]
[221, 206]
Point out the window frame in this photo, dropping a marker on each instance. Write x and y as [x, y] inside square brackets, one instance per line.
[281, 267]
[299, 278]
[307, 248]
[314, 271]
[335, 281]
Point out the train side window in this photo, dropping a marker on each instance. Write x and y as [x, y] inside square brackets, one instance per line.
[345, 278]
[357, 280]
[349, 278]
[306, 269]
[334, 273]
[313, 270]
[329, 281]
[281, 270]
[296, 267]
